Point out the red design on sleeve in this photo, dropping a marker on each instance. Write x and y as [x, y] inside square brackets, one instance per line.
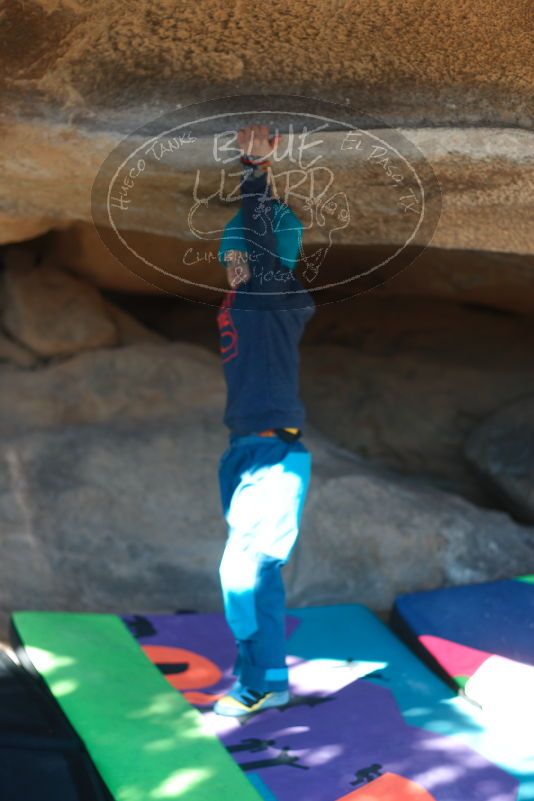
[228, 340]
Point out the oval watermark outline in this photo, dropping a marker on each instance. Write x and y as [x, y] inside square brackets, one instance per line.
[309, 115]
[297, 291]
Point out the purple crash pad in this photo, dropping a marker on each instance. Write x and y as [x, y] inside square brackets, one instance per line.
[347, 725]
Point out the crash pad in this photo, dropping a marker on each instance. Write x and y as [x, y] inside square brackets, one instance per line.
[145, 739]
[367, 717]
[480, 636]
[368, 720]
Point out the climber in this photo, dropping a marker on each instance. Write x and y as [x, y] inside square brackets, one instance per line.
[265, 471]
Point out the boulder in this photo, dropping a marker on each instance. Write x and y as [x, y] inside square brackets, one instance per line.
[131, 331]
[403, 382]
[472, 168]
[369, 535]
[51, 312]
[94, 75]
[92, 63]
[135, 382]
[125, 516]
[501, 450]
[112, 516]
[14, 228]
[497, 280]
[12, 352]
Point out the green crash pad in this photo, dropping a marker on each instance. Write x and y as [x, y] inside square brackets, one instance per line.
[146, 740]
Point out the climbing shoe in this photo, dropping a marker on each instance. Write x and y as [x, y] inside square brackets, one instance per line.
[245, 701]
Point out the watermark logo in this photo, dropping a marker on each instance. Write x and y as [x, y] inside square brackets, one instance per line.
[336, 177]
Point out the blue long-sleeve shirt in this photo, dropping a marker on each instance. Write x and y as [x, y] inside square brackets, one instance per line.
[260, 326]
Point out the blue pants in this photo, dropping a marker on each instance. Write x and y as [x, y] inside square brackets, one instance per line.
[263, 483]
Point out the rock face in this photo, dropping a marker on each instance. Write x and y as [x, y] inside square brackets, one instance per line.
[100, 65]
[93, 75]
[129, 330]
[137, 382]
[496, 280]
[111, 515]
[404, 382]
[14, 228]
[125, 516]
[11, 352]
[109, 436]
[474, 170]
[368, 536]
[50, 312]
[109, 498]
[501, 450]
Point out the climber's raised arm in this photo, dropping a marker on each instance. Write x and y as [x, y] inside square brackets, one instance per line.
[257, 208]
